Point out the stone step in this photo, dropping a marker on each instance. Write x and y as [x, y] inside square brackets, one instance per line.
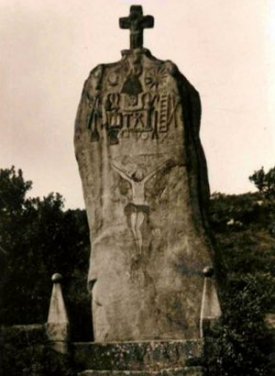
[137, 356]
[187, 371]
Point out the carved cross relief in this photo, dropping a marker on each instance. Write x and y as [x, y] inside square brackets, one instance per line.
[138, 207]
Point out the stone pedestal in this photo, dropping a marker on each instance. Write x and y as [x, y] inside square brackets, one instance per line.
[187, 371]
[140, 358]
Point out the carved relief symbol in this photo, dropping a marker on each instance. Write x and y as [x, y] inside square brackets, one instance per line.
[133, 111]
[167, 111]
[114, 117]
[149, 101]
[173, 103]
[156, 77]
[94, 120]
[94, 99]
[113, 79]
[132, 86]
[163, 115]
[140, 120]
[138, 207]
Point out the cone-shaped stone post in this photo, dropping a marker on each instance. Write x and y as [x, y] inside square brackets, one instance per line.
[210, 306]
[58, 323]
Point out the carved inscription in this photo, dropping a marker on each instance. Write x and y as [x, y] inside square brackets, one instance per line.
[138, 106]
[144, 117]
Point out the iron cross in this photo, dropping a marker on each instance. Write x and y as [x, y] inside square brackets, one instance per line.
[136, 22]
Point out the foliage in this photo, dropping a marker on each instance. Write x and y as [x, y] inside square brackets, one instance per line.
[26, 352]
[265, 182]
[243, 227]
[39, 238]
[240, 344]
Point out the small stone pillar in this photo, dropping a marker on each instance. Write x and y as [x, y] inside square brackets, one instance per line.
[210, 306]
[58, 323]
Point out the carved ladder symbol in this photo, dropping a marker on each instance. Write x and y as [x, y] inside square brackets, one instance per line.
[163, 113]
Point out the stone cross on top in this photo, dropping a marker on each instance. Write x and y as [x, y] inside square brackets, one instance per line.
[136, 22]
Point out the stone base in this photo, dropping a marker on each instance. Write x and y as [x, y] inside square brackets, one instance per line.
[139, 358]
[187, 371]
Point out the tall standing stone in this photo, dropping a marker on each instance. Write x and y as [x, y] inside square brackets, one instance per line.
[145, 187]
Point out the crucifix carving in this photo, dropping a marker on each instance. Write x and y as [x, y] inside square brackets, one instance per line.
[136, 22]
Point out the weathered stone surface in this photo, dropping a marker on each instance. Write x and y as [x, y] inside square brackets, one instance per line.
[188, 371]
[142, 356]
[145, 188]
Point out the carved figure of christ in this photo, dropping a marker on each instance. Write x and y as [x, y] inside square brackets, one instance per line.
[138, 203]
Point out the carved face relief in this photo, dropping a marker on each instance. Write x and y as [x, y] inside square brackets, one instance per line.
[138, 175]
[96, 76]
[113, 79]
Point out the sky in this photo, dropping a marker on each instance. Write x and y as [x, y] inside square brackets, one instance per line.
[226, 49]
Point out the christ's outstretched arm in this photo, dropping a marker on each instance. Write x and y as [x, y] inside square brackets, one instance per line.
[122, 173]
[160, 167]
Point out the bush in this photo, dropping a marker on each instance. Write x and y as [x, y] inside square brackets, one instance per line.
[25, 351]
[240, 343]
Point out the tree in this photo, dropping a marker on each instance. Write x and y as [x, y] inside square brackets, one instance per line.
[265, 182]
[242, 227]
[40, 238]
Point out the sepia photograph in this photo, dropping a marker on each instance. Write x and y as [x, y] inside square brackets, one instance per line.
[137, 188]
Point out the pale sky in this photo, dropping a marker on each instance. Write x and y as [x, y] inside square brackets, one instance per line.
[226, 49]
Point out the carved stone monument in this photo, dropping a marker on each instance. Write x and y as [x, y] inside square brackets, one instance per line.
[146, 189]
